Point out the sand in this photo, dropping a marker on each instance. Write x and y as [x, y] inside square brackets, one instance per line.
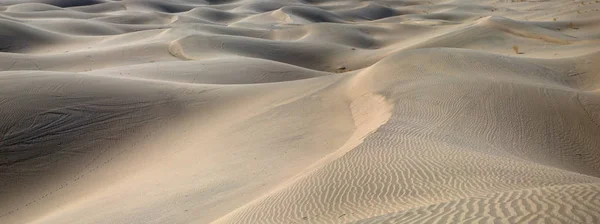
[299, 111]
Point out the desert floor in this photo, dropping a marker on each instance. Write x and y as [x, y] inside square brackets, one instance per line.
[299, 111]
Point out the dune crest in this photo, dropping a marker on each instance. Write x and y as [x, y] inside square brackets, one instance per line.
[299, 111]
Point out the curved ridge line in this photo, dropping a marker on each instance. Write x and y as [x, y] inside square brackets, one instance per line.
[356, 139]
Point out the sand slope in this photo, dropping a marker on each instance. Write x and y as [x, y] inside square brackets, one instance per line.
[248, 111]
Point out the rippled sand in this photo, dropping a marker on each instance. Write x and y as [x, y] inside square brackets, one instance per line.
[299, 111]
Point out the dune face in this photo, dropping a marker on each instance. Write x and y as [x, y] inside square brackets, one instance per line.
[299, 111]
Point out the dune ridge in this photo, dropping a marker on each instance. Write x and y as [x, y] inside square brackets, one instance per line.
[299, 111]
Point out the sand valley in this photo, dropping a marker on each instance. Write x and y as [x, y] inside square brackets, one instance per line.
[299, 111]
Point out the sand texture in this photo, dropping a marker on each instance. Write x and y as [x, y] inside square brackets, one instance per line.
[299, 111]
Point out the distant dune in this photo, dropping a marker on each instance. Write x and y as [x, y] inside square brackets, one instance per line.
[299, 111]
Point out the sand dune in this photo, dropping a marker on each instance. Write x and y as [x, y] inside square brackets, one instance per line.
[299, 111]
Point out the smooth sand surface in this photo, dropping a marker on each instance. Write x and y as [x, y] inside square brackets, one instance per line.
[299, 111]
